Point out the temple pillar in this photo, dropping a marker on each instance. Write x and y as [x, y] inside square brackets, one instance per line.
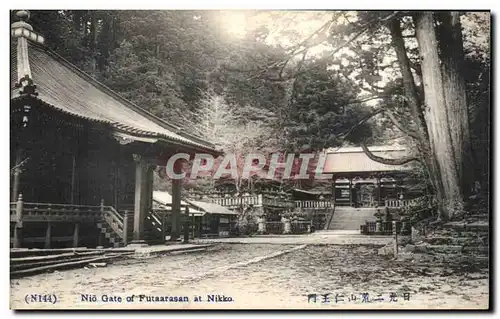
[140, 200]
[334, 191]
[186, 225]
[176, 203]
[378, 191]
[73, 180]
[149, 188]
[17, 176]
[350, 192]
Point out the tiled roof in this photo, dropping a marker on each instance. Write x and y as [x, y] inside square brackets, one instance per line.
[164, 198]
[64, 87]
[353, 159]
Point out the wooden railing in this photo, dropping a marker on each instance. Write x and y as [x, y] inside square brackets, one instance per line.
[57, 212]
[12, 209]
[237, 201]
[259, 200]
[315, 204]
[395, 203]
[278, 202]
[385, 228]
[115, 220]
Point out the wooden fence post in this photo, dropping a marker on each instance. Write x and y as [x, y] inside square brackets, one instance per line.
[18, 229]
[76, 234]
[48, 236]
[194, 226]
[164, 226]
[186, 225]
[395, 234]
[125, 228]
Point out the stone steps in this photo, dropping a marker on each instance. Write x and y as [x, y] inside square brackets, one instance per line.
[449, 240]
[350, 218]
[464, 226]
[467, 260]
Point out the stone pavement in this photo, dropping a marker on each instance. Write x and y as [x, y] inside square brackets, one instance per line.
[317, 238]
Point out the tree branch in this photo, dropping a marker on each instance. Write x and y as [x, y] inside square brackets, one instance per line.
[14, 168]
[398, 124]
[388, 161]
[363, 120]
[363, 29]
[393, 119]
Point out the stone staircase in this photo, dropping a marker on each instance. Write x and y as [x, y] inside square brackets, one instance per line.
[111, 237]
[350, 218]
[113, 234]
[464, 242]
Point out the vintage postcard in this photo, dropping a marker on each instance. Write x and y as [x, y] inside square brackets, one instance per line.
[208, 159]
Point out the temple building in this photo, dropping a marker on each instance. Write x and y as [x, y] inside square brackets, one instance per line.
[359, 181]
[82, 158]
[360, 187]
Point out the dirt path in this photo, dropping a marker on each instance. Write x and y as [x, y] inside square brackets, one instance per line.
[258, 276]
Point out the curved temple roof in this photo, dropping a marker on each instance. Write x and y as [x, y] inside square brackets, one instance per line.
[64, 87]
[353, 159]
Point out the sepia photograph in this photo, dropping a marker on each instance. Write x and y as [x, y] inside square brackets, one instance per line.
[250, 159]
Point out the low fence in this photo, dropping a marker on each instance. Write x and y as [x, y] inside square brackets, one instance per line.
[300, 227]
[259, 200]
[313, 204]
[274, 227]
[385, 228]
[296, 227]
[237, 201]
[397, 203]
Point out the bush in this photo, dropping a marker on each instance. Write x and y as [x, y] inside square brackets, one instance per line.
[246, 225]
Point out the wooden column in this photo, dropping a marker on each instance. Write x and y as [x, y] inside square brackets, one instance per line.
[149, 185]
[139, 200]
[186, 225]
[334, 190]
[176, 203]
[48, 236]
[378, 190]
[350, 192]
[17, 176]
[125, 228]
[73, 181]
[116, 183]
[18, 228]
[76, 235]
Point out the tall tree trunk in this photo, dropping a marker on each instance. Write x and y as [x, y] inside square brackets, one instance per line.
[452, 56]
[410, 88]
[436, 116]
[415, 106]
[93, 40]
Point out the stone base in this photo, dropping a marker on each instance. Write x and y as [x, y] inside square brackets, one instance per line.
[174, 242]
[137, 244]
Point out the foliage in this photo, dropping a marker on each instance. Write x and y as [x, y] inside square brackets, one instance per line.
[273, 90]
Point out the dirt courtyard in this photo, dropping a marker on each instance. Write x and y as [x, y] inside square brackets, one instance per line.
[256, 275]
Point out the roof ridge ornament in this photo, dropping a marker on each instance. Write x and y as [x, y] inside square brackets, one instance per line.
[24, 32]
[23, 29]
